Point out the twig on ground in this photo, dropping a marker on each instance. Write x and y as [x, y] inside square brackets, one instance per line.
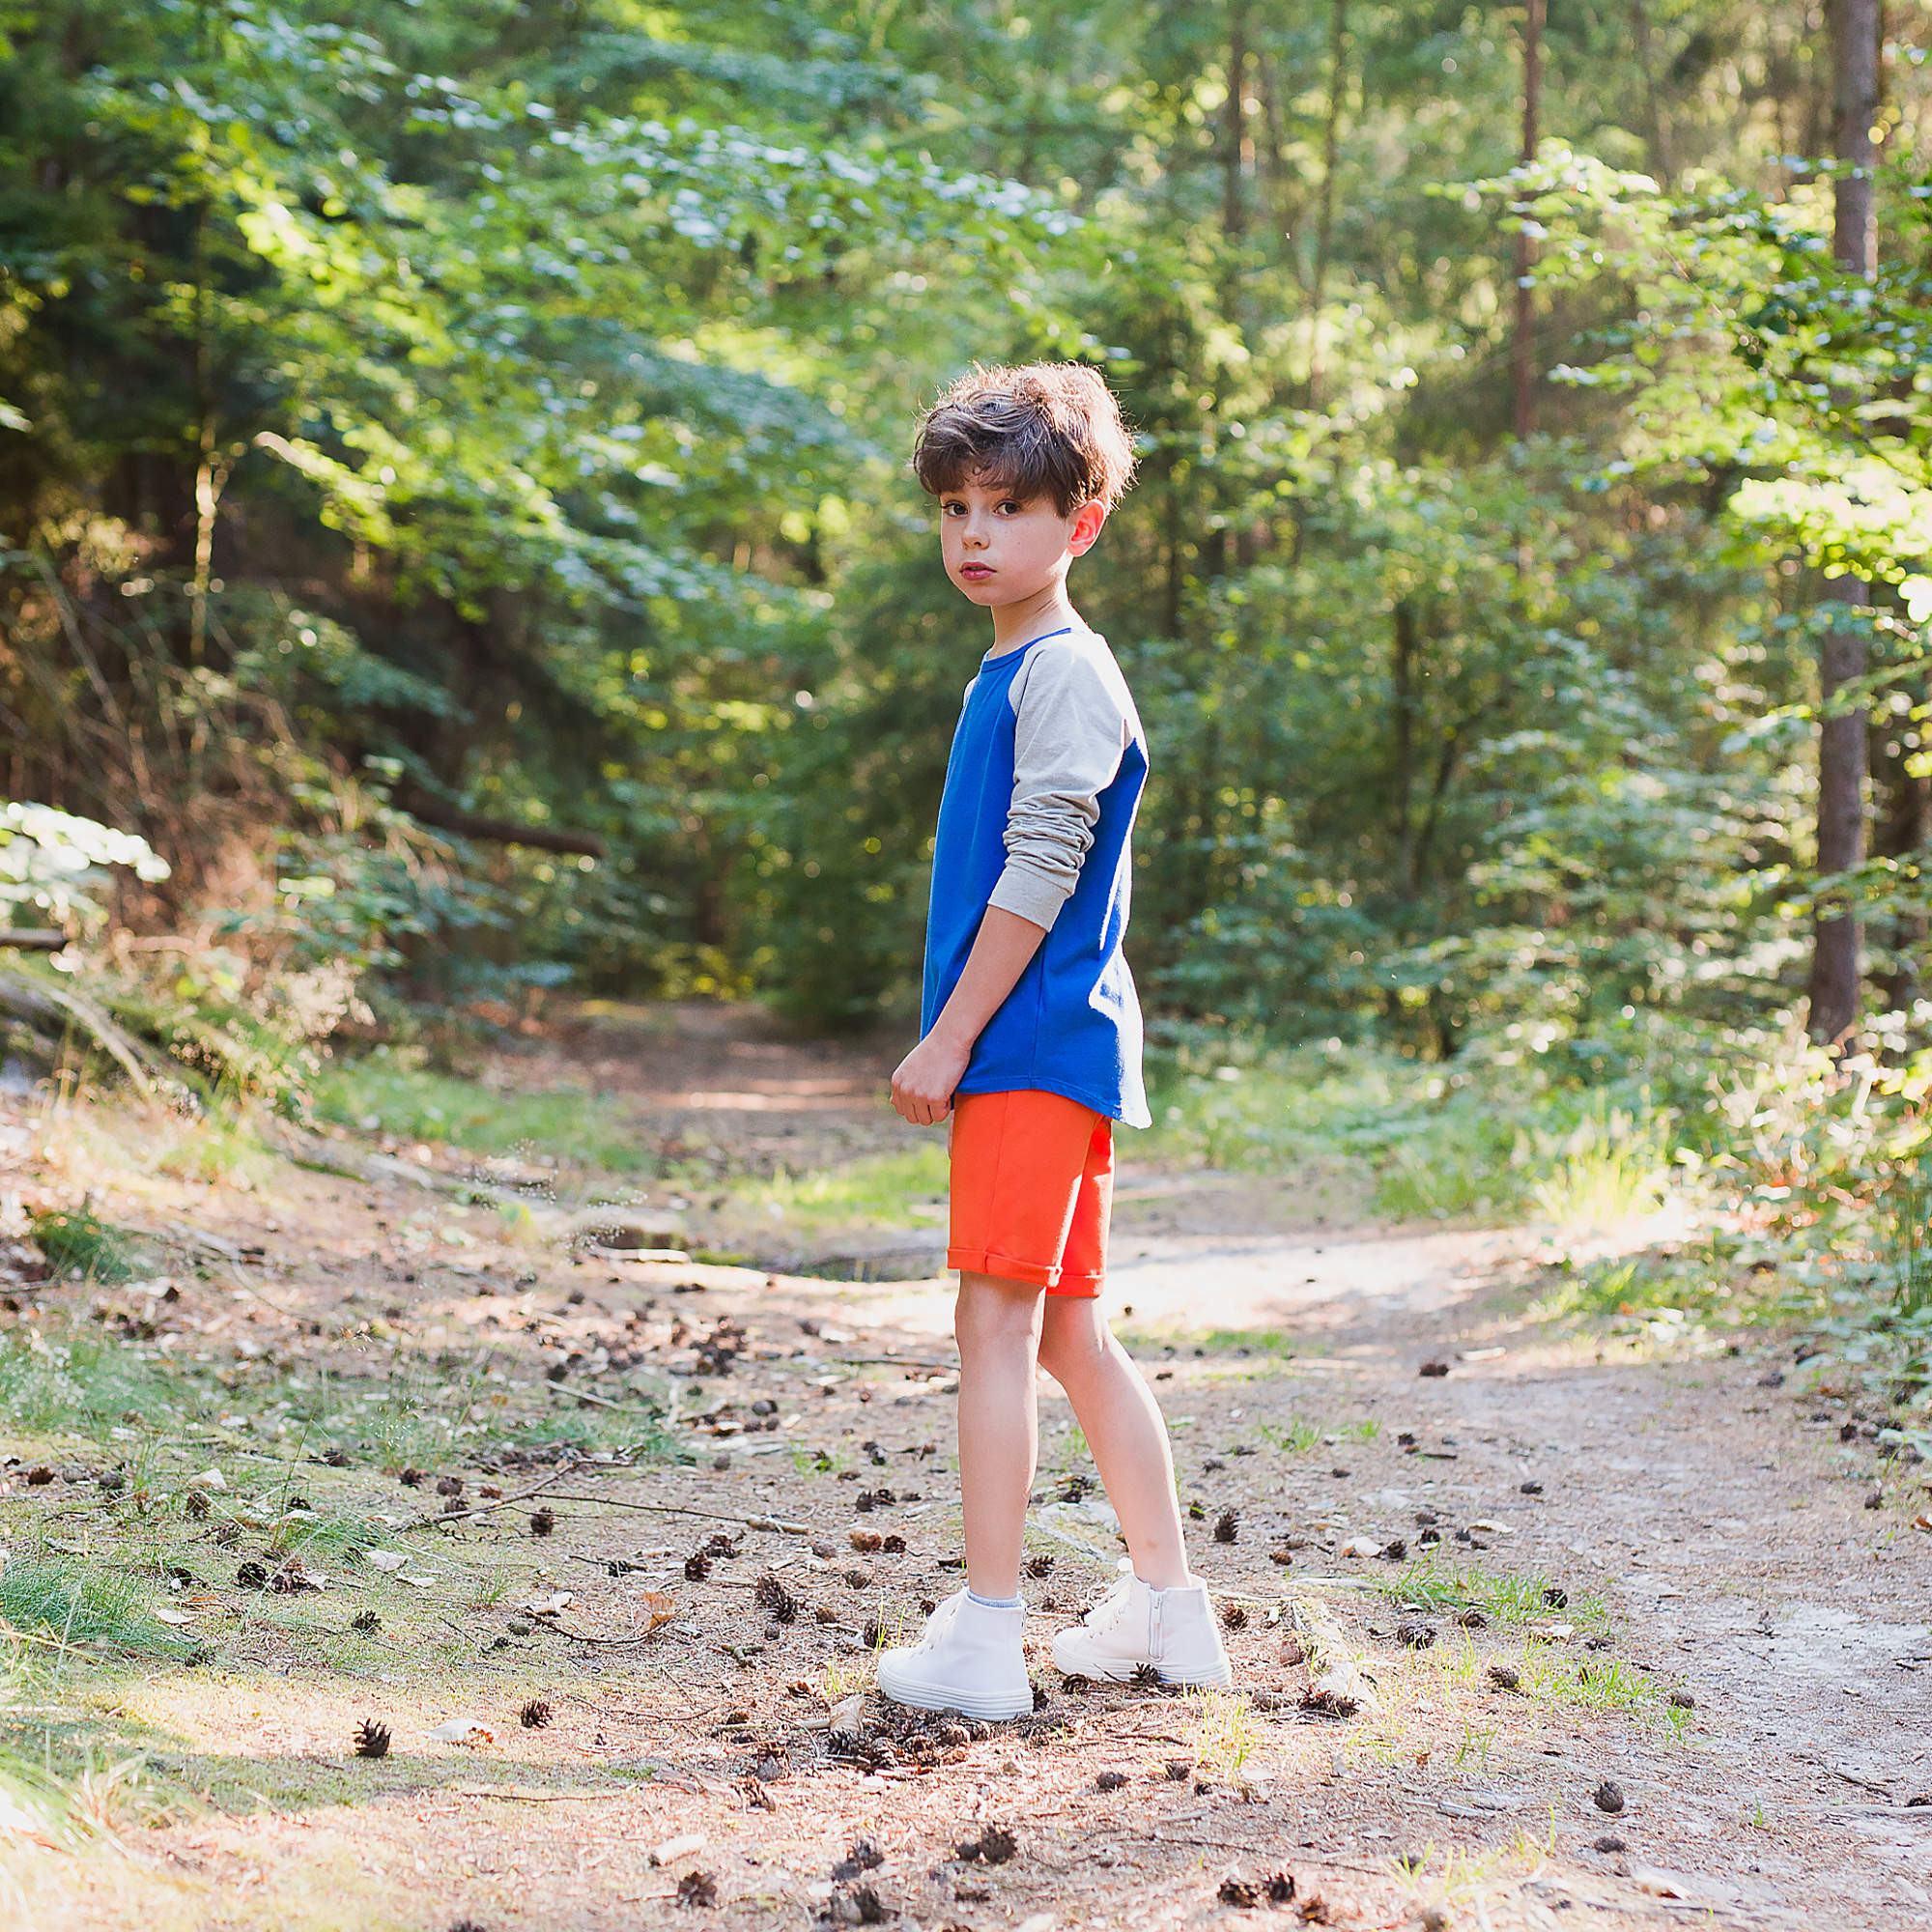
[770, 1522]
[496, 1502]
[583, 1395]
[892, 1361]
[543, 1797]
[602, 1642]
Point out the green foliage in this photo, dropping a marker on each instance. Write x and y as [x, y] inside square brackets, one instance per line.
[78, 1241]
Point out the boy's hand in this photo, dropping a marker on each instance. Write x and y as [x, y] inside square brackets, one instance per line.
[923, 1084]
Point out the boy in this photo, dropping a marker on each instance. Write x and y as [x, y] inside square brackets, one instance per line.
[1030, 1040]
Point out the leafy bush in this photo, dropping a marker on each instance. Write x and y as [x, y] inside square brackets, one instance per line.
[54, 865]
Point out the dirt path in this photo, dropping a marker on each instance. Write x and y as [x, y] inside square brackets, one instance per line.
[1592, 1526]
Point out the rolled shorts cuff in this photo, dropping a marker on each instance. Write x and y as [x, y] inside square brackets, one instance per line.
[1054, 1280]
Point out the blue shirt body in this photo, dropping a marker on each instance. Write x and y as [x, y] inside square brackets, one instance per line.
[1071, 1024]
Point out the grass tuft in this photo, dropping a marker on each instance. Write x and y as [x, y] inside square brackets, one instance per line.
[77, 1241]
[1506, 1599]
[55, 1598]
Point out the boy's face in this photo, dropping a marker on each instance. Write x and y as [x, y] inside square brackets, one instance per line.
[998, 550]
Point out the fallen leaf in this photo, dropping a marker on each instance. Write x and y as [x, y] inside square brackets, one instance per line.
[385, 1559]
[175, 1617]
[678, 1848]
[462, 1731]
[555, 1604]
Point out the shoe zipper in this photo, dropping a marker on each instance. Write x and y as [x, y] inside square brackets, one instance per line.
[1154, 1646]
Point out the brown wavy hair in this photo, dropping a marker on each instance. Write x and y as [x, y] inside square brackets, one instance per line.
[1043, 428]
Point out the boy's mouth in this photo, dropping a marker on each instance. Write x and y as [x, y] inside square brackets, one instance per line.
[975, 570]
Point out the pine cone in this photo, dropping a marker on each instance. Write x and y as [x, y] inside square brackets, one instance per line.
[1235, 1617]
[773, 1596]
[196, 1504]
[414, 1479]
[371, 1738]
[450, 1485]
[366, 1621]
[1040, 1566]
[1146, 1675]
[696, 1567]
[1226, 1525]
[535, 1715]
[697, 1887]
[543, 1522]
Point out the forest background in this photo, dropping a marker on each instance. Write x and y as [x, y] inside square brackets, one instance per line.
[459, 547]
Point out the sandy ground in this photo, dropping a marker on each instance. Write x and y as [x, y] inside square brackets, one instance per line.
[1713, 1496]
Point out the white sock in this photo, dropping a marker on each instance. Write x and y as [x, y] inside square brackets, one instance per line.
[992, 1602]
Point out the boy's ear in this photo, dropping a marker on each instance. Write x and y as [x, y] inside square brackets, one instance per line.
[1085, 527]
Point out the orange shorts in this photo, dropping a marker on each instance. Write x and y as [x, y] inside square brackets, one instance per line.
[1032, 1189]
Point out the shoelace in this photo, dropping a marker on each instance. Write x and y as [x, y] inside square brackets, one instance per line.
[939, 1623]
[1110, 1605]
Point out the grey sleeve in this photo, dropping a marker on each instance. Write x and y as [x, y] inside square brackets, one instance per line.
[1068, 736]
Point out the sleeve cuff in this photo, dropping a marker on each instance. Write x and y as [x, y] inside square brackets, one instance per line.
[1029, 895]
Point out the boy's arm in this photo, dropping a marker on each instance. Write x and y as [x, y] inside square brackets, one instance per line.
[1068, 735]
[922, 1086]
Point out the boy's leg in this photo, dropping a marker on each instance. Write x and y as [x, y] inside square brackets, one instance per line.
[1124, 1429]
[997, 1324]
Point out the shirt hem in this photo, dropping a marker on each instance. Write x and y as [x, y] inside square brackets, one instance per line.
[1112, 1106]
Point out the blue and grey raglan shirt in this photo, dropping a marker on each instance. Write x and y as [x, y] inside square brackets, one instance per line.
[1041, 787]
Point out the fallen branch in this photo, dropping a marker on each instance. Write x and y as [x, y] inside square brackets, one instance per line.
[32, 939]
[499, 831]
[65, 1008]
[322, 1155]
[495, 1503]
[771, 1522]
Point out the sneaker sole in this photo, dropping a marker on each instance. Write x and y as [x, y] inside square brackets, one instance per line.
[1120, 1670]
[988, 1707]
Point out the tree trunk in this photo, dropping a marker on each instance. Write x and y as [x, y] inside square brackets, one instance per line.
[1324, 220]
[1402, 763]
[1834, 988]
[1655, 130]
[1903, 824]
[1522, 352]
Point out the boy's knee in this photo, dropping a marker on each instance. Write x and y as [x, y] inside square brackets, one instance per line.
[989, 1309]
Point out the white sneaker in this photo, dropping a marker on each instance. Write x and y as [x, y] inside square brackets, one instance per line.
[972, 1659]
[1172, 1630]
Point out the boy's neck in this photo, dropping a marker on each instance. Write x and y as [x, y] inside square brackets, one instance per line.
[1029, 617]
